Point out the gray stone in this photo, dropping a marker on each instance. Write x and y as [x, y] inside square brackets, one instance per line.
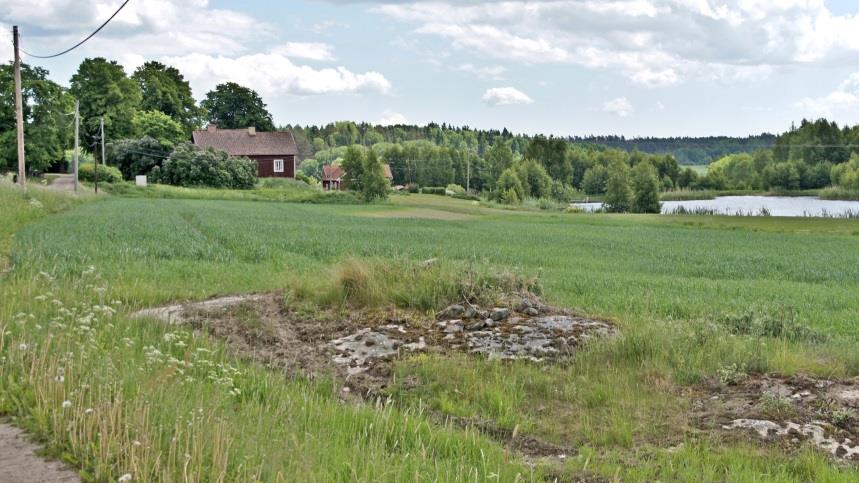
[454, 311]
[499, 314]
[476, 326]
[532, 311]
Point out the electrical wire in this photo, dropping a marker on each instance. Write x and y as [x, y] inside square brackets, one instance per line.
[82, 41]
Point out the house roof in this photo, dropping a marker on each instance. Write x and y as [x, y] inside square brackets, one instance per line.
[332, 172]
[247, 142]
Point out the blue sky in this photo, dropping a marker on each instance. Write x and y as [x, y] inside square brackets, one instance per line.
[569, 67]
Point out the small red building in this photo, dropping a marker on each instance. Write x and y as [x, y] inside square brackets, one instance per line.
[275, 152]
[332, 176]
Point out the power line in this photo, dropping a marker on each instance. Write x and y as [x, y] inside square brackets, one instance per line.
[82, 41]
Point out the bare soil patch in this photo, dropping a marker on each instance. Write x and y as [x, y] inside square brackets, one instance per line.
[789, 411]
[20, 463]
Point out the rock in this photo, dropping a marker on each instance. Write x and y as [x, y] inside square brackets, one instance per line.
[490, 323]
[499, 314]
[453, 326]
[524, 305]
[470, 313]
[480, 324]
[531, 311]
[454, 311]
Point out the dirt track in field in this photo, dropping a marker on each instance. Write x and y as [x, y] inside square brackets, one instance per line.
[19, 462]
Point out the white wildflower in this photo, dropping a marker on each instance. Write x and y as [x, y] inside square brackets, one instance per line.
[88, 411]
[22, 346]
[125, 478]
[67, 404]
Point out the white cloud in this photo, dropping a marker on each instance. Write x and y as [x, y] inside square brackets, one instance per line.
[620, 107]
[306, 50]
[503, 96]
[492, 72]
[844, 98]
[651, 42]
[391, 118]
[150, 29]
[274, 73]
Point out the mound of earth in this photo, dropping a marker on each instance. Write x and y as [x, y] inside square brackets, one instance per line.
[359, 345]
[788, 411]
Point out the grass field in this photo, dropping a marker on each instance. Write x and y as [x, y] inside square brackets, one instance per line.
[166, 403]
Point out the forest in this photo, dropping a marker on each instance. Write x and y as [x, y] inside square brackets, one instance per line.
[150, 115]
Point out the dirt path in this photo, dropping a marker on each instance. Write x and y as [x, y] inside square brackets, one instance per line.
[19, 462]
[63, 182]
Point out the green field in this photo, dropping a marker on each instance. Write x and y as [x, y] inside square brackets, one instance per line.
[163, 410]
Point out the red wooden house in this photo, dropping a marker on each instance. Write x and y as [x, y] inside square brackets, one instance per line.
[275, 152]
[333, 176]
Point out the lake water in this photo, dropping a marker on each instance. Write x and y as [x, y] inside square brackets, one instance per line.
[754, 205]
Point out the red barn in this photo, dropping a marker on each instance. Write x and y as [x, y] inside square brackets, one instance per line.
[332, 176]
[275, 152]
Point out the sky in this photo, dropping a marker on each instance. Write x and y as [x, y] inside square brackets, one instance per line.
[562, 67]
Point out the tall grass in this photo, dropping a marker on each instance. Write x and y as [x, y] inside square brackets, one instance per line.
[425, 286]
[283, 191]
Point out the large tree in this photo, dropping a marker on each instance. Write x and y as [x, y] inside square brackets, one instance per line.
[103, 89]
[232, 106]
[165, 89]
[48, 127]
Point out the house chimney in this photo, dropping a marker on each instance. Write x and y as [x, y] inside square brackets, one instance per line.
[252, 131]
[212, 127]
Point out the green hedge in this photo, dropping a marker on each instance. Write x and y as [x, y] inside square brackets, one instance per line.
[433, 190]
[106, 174]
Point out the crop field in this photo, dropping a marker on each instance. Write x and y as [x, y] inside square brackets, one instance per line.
[164, 402]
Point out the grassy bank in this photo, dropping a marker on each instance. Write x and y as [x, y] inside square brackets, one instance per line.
[688, 195]
[676, 286]
[291, 191]
[839, 194]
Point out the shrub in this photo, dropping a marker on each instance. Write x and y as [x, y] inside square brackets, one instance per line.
[106, 174]
[433, 190]
[413, 188]
[137, 156]
[188, 166]
[511, 190]
[455, 189]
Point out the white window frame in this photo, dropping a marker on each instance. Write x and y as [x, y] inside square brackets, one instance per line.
[276, 162]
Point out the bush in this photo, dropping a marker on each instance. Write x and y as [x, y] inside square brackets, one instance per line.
[137, 156]
[433, 190]
[188, 166]
[413, 188]
[455, 189]
[106, 174]
[511, 189]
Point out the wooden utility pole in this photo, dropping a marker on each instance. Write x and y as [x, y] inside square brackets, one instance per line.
[77, 143]
[95, 162]
[19, 111]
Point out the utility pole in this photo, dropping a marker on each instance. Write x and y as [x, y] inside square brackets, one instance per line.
[19, 110]
[468, 175]
[95, 163]
[77, 135]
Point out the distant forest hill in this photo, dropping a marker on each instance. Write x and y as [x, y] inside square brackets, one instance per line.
[686, 150]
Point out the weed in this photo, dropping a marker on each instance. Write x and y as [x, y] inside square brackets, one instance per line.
[732, 374]
[776, 407]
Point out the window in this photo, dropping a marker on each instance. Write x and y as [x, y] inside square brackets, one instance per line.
[278, 166]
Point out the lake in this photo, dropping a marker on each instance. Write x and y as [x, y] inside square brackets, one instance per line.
[755, 205]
